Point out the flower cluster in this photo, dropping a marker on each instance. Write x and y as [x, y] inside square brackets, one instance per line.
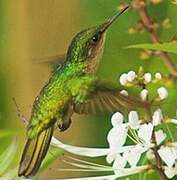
[134, 137]
[142, 79]
[125, 159]
[133, 78]
[141, 134]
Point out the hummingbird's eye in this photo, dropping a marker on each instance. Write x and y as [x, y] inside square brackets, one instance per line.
[95, 38]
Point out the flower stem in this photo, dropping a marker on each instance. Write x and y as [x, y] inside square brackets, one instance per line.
[148, 24]
[158, 166]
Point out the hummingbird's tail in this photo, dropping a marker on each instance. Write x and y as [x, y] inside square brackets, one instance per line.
[34, 152]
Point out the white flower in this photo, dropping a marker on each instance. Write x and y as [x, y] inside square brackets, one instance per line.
[133, 119]
[129, 171]
[174, 121]
[118, 153]
[118, 173]
[157, 117]
[117, 119]
[169, 172]
[124, 92]
[147, 77]
[144, 94]
[160, 136]
[123, 79]
[134, 155]
[162, 92]
[145, 133]
[131, 75]
[120, 162]
[117, 137]
[117, 170]
[168, 155]
[82, 151]
[158, 76]
[111, 157]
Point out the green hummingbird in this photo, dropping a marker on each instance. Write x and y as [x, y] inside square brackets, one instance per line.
[73, 88]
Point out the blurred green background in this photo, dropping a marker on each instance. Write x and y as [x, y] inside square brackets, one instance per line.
[31, 29]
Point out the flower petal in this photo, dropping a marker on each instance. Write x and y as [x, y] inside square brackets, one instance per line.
[168, 155]
[145, 132]
[144, 94]
[169, 172]
[124, 92]
[123, 79]
[133, 119]
[174, 121]
[157, 117]
[117, 137]
[158, 76]
[160, 136]
[111, 157]
[108, 177]
[118, 173]
[130, 171]
[162, 92]
[82, 151]
[117, 119]
[134, 155]
[147, 77]
[120, 162]
[131, 75]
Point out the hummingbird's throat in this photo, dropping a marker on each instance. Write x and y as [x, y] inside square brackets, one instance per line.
[94, 56]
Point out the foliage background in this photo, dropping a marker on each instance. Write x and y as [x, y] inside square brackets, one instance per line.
[33, 29]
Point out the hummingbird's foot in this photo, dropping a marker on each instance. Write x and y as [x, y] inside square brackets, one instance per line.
[64, 125]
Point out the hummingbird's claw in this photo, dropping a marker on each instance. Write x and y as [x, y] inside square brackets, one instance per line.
[64, 125]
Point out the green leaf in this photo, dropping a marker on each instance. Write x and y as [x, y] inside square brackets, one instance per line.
[7, 157]
[170, 47]
[51, 156]
[11, 174]
[6, 133]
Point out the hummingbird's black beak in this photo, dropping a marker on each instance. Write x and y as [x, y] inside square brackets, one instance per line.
[110, 21]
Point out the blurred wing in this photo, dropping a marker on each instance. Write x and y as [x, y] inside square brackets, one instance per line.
[107, 99]
[52, 61]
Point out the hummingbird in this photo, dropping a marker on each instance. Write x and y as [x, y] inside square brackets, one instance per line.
[72, 88]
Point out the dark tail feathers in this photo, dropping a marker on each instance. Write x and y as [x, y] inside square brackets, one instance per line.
[34, 152]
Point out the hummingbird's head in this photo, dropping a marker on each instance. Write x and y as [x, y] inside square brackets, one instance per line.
[87, 46]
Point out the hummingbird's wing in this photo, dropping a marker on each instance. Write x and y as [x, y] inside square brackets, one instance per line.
[52, 61]
[107, 98]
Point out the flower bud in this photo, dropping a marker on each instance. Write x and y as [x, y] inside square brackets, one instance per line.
[162, 92]
[123, 79]
[124, 92]
[131, 76]
[144, 94]
[147, 77]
